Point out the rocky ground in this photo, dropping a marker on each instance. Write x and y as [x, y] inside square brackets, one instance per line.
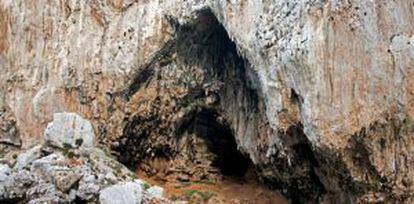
[69, 169]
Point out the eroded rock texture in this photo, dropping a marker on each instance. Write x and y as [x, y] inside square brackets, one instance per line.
[318, 95]
[61, 172]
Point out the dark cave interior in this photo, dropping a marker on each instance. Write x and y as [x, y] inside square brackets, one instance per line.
[220, 140]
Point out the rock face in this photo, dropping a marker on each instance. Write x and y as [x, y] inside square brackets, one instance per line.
[318, 95]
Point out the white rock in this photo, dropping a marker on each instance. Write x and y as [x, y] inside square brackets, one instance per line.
[27, 157]
[110, 176]
[88, 187]
[72, 194]
[141, 182]
[4, 168]
[3, 177]
[89, 179]
[156, 191]
[124, 193]
[69, 130]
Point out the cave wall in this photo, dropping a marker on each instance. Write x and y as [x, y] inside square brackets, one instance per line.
[342, 71]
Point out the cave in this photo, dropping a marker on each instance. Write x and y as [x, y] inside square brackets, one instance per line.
[219, 101]
[194, 136]
[220, 141]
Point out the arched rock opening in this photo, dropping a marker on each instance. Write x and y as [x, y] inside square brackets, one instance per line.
[189, 102]
[195, 109]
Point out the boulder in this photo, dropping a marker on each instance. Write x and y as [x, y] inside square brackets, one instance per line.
[69, 130]
[28, 157]
[65, 179]
[123, 193]
[87, 190]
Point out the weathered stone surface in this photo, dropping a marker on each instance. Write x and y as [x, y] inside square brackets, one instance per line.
[28, 157]
[65, 179]
[64, 176]
[156, 191]
[4, 168]
[335, 81]
[124, 193]
[69, 130]
[9, 133]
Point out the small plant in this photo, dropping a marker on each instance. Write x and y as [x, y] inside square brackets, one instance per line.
[205, 195]
[184, 184]
[190, 193]
[145, 186]
[110, 109]
[209, 182]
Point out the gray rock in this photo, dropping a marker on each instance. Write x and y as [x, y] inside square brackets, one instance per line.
[43, 193]
[89, 179]
[64, 180]
[124, 193]
[46, 165]
[54, 199]
[3, 177]
[28, 157]
[72, 194]
[69, 130]
[110, 176]
[14, 187]
[58, 178]
[4, 168]
[156, 191]
[87, 191]
[4, 171]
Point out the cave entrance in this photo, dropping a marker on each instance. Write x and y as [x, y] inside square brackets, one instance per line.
[197, 130]
[220, 141]
[189, 100]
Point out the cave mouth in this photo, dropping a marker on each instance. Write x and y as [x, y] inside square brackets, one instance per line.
[202, 60]
[192, 102]
[220, 141]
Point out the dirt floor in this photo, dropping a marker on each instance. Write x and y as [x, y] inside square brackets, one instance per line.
[227, 190]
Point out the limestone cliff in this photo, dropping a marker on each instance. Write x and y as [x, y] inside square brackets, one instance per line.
[318, 95]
